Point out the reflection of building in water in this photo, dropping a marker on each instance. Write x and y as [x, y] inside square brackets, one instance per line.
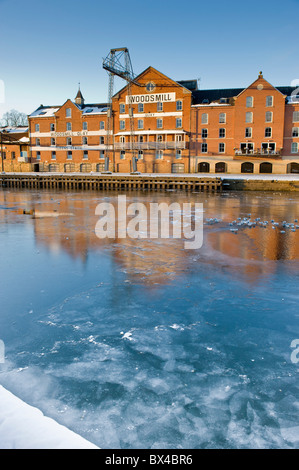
[65, 222]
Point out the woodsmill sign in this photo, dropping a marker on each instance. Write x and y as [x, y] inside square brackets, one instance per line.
[151, 98]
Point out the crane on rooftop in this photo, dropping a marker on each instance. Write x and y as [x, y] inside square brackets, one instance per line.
[118, 63]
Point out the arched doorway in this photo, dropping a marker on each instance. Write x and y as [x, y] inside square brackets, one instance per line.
[53, 167]
[266, 167]
[220, 167]
[177, 168]
[204, 167]
[69, 167]
[293, 167]
[247, 167]
[100, 167]
[85, 167]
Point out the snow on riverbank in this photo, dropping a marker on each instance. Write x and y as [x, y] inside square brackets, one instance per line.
[25, 427]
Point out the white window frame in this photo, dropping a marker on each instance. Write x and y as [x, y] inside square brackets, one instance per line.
[159, 106]
[140, 124]
[295, 132]
[296, 116]
[294, 147]
[52, 127]
[140, 154]
[178, 154]
[269, 101]
[122, 155]
[178, 123]
[36, 127]
[140, 107]
[159, 121]
[68, 112]
[204, 145]
[85, 126]
[122, 124]
[159, 154]
[221, 145]
[269, 116]
[222, 118]
[267, 129]
[223, 132]
[122, 108]
[68, 126]
[179, 105]
[102, 124]
[249, 101]
[205, 118]
[249, 133]
[206, 132]
[249, 117]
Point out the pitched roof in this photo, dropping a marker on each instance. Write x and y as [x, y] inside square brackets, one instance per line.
[216, 94]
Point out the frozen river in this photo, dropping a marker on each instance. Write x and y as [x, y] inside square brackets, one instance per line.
[142, 343]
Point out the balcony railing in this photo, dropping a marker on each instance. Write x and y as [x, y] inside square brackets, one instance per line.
[258, 152]
[167, 145]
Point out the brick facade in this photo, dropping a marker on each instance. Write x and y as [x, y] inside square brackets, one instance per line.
[177, 128]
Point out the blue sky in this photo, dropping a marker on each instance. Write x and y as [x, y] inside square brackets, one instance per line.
[48, 47]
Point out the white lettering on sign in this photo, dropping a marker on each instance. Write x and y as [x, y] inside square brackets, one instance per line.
[68, 134]
[152, 98]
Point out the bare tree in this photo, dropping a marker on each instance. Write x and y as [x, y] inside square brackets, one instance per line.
[14, 118]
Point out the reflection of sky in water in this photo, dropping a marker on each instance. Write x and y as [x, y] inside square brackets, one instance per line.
[145, 344]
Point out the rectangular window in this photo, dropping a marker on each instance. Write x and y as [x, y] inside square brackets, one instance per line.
[53, 142]
[69, 141]
[159, 123]
[269, 101]
[85, 155]
[221, 147]
[294, 148]
[204, 148]
[69, 155]
[13, 155]
[269, 116]
[248, 132]
[84, 126]
[179, 105]
[159, 155]
[140, 154]
[295, 132]
[102, 124]
[204, 118]
[122, 108]
[159, 138]
[249, 117]
[68, 126]
[102, 154]
[178, 154]
[268, 132]
[204, 133]
[222, 118]
[178, 123]
[37, 142]
[122, 125]
[36, 127]
[296, 116]
[140, 107]
[84, 141]
[140, 123]
[122, 154]
[160, 106]
[37, 155]
[102, 140]
[249, 102]
[53, 156]
[221, 133]
[52, 127]
[68, 112]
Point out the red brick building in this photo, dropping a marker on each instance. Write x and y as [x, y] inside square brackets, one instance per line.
[167, 126]
[14, 148]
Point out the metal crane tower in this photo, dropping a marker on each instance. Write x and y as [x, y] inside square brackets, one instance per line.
[118, 63]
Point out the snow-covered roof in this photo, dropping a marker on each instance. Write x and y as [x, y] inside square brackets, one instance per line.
[15, 130]
[93, 109]
[45, 111]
